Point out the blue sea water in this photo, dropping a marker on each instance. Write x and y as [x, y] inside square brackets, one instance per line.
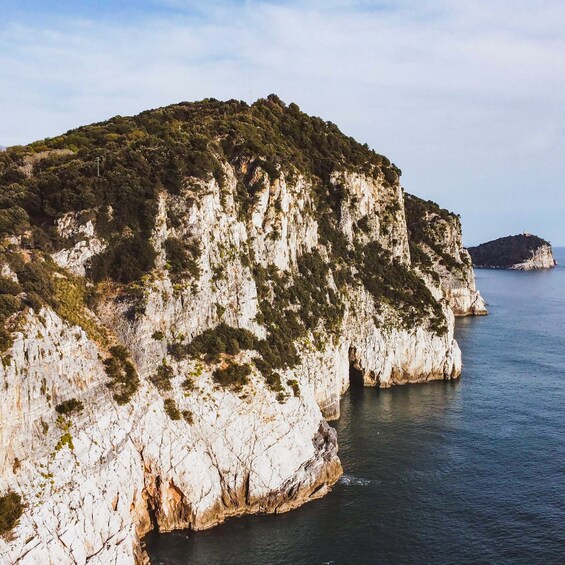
[471, 471]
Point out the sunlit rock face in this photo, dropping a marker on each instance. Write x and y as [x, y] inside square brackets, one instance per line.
[189, 450]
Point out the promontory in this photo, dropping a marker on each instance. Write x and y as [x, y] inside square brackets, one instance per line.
[184, 295]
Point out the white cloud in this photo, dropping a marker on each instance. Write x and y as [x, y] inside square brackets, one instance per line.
[466, 97]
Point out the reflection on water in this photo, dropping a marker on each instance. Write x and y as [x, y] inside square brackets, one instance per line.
[463, 472]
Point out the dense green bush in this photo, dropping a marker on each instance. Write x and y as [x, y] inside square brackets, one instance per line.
[234, 376]
[182, 257]
[124, 380]
[11, 509]
[8, 286]
[34, 288]
[162, 377]
[125, 260]
[363, 224]
[215, 341]
[188, 384]
[69, 406]
[293, 384]
[171, 409]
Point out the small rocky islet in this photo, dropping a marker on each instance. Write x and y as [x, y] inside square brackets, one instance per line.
[523, 252]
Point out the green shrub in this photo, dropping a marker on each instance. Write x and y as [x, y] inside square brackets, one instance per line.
[37, 277]
[11, 510]
[65, 439]
[125, 260]
[234, 376]
[162, 377]
[123, 376]
[8, 286]
[188, 384]
[281, 397]
[214, 342]
[293, 384]
[363, 224]
[171, 409]
[69, 406]
[9, 305]
[182, 257]
[33, 300]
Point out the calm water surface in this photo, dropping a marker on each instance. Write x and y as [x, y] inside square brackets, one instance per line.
[464, 472]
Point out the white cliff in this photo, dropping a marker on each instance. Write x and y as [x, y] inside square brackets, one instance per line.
[193, 453]
[541, 258]
[90, 497]
[75, 257]
[439, 254]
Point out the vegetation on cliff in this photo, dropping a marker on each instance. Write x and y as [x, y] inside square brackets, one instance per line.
[157, 150]
[426, 222]
[11, 509]
[506, 251]
[174, 149]
[123, 376]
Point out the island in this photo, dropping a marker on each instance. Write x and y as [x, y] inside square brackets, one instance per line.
[524, 252]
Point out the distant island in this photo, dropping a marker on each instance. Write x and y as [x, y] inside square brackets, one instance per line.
[524, 252]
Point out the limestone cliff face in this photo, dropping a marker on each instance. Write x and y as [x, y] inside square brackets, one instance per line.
[438, 252]
[541, 258]
[186, 448]
[91, 496]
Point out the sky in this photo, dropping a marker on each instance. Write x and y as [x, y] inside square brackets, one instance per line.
[466, 97]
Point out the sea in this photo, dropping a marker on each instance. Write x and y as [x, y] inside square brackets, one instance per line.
[469, 471]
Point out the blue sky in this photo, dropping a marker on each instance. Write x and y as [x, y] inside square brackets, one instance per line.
[467, 98]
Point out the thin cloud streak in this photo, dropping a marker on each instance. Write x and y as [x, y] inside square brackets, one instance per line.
[467, 98]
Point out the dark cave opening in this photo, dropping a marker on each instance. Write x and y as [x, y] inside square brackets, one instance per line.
[355, 375]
